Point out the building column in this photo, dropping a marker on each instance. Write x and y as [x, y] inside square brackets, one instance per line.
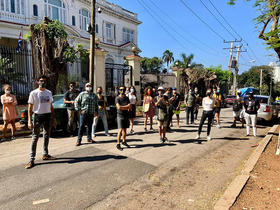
[134, 62]
[99, 69]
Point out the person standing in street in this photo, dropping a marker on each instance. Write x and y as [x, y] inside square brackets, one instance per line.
[251, 106]
[237, 110]
[162, 105]
[40, 103]
[175, 104]
[133, 102]
[9, 103]
[208, 108]
[86, 103]
[190, 105]
[148, 107]
[69, 98]
[218, 104]
[102, 113]
[168, 93]
[197, 102]
[123, 108]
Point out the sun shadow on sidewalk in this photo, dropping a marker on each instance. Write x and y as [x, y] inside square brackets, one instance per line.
[72, 160]
[231, 138]
[152, 145]
[188, 141]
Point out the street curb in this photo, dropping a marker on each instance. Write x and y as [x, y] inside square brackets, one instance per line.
[234, 189]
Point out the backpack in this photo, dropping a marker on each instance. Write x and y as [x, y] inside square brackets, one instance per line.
[236, 106]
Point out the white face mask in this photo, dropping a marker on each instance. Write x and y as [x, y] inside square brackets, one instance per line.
[132, 90]
[7, 91]
[88, 88]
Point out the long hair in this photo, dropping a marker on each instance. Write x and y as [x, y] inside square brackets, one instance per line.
[146, 90]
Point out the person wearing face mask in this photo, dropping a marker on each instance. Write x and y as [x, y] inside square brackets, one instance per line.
[218, 104]
[197, 102]
[9, 103]
[190, 104]
[208, 108]
[168, 94]
[133, 101]
[251, 106]
[102, 113]
[40, 103]
[86, 103]
[175, 104]
[237, 108]
[69, 98]
[123, 108]
[148, 107]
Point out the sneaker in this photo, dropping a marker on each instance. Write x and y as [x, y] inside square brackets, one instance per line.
[218, 126]
[91, 141]
[161, 140]
[119, 147]
[247, 134]
[78, 144]
[125, 144]
[48, 157]
[165, 139]
[30, 164]
[197, 137]
[145, 129]
[107, 134]
[209, 138]
[233, 125]
[13, 138]
[93, 136]
[132, 131]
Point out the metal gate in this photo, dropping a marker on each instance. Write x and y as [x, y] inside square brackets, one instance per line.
[115, 76]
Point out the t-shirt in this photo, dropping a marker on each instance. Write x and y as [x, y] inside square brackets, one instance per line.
[208, 104]
[41, 101]
[218, 99]
[190, 99]
[122, 101]
[132, 99]
[251, 106]
[70, 96]
[176, 100]
[237, 104]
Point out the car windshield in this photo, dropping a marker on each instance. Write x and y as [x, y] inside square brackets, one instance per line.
[58, 100]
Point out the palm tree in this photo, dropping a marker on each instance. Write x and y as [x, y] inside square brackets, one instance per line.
[167, 58]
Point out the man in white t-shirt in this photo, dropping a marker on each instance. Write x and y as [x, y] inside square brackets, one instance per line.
[40, 103]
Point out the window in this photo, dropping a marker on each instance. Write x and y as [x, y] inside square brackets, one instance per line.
[96, 28]
[109, 32]
[13, 6]
[128, 35]
[35, 10]
[84, 16]
[73, 21]
[55, 10]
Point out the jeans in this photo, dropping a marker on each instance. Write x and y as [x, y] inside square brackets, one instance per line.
[71, 117]
[102, 115]
[39, 121]
[170, 115]
[196, 111]
[205, 115]
[85, 120]
[188, 111]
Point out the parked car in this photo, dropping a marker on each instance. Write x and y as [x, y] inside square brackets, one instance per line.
[229, 100]
[268, 111]
[61, 116]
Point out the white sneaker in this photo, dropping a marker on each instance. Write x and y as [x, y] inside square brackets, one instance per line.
[218, 126]
[209, 138]
[197, 137]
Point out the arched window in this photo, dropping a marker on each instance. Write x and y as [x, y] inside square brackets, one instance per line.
[35, 10]
[73, 20]
[55, 10]
[13, 6]
[84, 16]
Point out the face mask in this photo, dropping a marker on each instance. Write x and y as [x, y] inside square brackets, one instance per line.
[88, 88]
[149, 92]
[7, 91]
[132, 90]
[160, 93]
[174, 91]
[190, 92]
[218, 91]
[99, 92]
[195, 91]
[42, 84]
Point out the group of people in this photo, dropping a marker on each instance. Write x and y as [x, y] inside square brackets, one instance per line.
[86, 108]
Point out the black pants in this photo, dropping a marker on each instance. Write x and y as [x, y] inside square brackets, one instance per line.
[170, 115]
[205, 115]
[189, 110]
[85, 120]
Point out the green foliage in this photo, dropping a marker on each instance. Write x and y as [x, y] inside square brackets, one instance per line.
[151, 65]
[56, 29]
[7, 73]
[251, 78]
[223, 76]
[167, 58]
[27, 36]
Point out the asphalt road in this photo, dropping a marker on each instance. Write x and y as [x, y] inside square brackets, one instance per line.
[87, 176]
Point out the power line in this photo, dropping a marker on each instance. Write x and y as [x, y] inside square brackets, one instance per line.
[208, 26]
[216, 18]
[182, 28]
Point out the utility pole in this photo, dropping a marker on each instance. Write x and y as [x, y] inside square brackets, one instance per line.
[236, 67]
[261, 81]
[92, 42]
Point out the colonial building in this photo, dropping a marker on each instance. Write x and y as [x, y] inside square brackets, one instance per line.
[116, 27]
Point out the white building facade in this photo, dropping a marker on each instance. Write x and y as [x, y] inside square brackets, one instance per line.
[116, 27]
[276, 71]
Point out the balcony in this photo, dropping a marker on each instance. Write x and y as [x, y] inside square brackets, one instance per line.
[12, 17]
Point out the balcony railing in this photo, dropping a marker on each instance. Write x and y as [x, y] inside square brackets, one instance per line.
[18, 18]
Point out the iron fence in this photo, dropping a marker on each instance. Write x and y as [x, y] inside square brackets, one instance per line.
[16, 70]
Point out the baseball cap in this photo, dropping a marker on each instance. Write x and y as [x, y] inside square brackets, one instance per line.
[160, 88]
[174, 88]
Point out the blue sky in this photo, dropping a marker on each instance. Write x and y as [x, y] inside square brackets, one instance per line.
[178, 30]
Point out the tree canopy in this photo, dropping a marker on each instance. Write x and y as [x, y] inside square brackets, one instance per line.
[167, 58]
[269, 17]
[151, 65]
